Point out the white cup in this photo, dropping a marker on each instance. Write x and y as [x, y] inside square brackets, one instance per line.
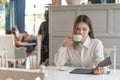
[77, 38]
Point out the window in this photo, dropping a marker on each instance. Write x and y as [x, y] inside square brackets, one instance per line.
[34, 15]
[2, 19]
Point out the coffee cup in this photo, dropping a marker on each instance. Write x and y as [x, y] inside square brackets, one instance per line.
[77, 38]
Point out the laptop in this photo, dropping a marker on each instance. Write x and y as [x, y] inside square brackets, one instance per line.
[105, 62]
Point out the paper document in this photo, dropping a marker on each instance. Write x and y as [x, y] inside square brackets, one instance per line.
[105, 62]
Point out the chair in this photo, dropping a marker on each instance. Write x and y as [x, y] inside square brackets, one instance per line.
[37, 51]
[3, 57]
[111, 52]
[13, 53]
[22, 74]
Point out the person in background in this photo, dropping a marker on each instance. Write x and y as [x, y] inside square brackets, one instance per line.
[86, 53]
[16, 30]
[43, 30]
[17, 40]
[27, 38]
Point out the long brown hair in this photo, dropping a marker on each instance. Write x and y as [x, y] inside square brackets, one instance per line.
[85, 19]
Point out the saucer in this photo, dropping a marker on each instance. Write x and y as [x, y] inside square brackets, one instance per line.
[63, 68]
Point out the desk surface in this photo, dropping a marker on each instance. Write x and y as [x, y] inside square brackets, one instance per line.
[55, 74]
[26, 44]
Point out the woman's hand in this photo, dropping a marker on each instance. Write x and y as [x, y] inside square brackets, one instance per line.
[99, 70]
[68, 41]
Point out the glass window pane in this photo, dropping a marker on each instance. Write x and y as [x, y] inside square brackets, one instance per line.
[2, 19]
[34, 14]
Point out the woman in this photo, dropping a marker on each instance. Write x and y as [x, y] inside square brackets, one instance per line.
[87, 53]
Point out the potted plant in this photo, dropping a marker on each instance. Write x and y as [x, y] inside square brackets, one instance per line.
[6, 3]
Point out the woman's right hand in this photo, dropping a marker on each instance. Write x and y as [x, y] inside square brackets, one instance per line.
[68, 41]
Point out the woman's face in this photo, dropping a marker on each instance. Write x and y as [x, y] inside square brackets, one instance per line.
[82, 29]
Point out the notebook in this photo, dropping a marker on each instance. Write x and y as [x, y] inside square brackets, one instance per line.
[105, 62]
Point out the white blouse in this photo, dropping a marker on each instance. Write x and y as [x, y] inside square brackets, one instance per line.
[87, 55]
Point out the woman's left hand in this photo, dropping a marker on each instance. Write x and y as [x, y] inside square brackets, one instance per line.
[99, 70]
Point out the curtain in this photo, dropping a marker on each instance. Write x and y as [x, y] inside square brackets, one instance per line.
[19, 15]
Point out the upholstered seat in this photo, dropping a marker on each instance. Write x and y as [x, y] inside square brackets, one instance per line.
[112, 53]
[3, 57]
[37, 51]
[13, 53]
